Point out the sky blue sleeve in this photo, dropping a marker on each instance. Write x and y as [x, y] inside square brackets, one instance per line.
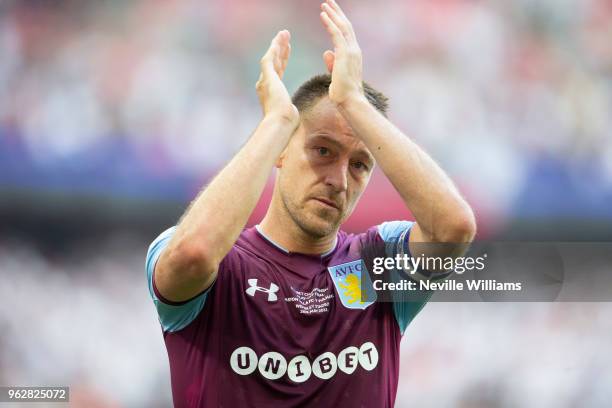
[396, 235]
[172, 317]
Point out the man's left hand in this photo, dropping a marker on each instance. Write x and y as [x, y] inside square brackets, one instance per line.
[344, 63]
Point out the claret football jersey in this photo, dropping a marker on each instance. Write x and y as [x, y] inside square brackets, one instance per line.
[284, 329]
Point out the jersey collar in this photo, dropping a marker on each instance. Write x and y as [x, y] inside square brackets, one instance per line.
[286, 251]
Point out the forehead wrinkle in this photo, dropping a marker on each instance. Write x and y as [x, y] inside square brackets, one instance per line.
[322, 112]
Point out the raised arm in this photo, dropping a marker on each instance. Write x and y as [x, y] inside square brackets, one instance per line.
[214, 220]
[442, 215]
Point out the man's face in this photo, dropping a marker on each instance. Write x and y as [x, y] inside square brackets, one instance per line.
[323, 171]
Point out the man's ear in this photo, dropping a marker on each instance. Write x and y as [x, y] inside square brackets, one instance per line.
[279, 161]
[329, 58]
[297, 133]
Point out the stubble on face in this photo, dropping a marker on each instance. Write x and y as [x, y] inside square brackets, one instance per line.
[301, 197]
[314, 218]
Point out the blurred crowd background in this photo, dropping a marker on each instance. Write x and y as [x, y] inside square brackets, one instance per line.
[114, 114]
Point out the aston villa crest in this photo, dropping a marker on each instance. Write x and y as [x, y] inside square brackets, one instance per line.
[354, 292]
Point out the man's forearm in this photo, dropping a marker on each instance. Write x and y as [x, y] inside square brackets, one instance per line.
[216, 217]
[441, 212]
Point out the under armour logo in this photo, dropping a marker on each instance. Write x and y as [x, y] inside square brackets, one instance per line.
[270, 291]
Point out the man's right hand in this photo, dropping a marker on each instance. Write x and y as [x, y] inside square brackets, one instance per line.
[273, 96]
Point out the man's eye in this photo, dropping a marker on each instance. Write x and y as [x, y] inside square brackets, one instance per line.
[323, 151]
[360, 166]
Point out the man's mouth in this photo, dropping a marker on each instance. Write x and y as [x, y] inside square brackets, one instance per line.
[327, 202]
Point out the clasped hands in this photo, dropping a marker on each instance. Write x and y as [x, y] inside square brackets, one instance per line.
[344, 64]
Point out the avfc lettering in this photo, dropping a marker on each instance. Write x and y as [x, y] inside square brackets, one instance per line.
[273, 365]
[341, 271]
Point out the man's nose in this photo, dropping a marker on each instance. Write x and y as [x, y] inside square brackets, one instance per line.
[337, 176]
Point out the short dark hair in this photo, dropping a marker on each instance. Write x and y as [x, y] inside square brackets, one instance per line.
[309, 93]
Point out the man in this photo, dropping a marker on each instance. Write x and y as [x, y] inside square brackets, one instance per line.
[269, 316]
